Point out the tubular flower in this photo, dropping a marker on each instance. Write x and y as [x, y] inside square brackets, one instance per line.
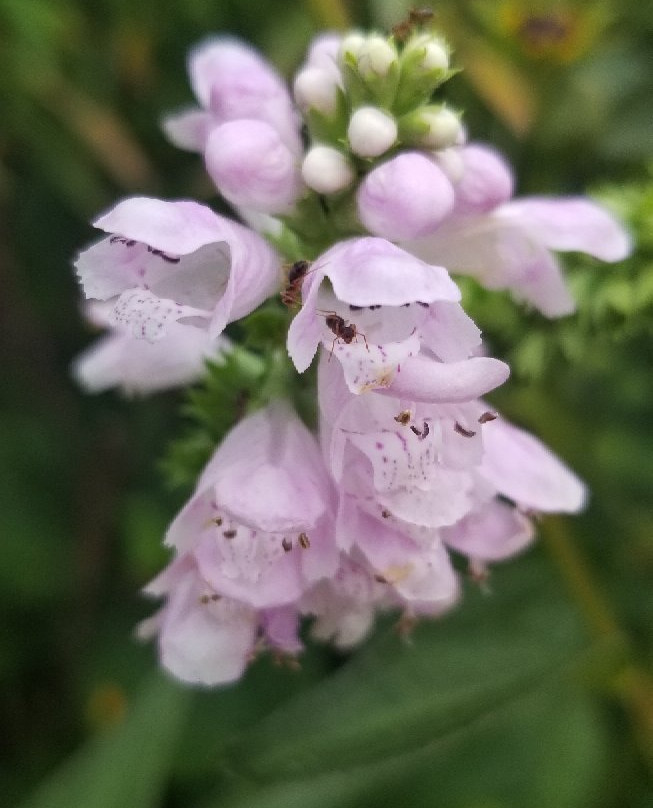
[415, 479]
[400, 314]
[508, 243]
[207, 638]
[246, 128]
[169, 263]
[232, 82]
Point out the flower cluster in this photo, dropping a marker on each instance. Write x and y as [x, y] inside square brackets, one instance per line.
[365, 184]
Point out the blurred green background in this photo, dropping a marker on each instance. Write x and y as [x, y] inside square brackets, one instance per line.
[537, 694]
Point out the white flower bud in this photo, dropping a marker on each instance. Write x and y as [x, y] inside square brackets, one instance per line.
[371, 132]
[436, 52]
[444, 128]
[352, 45]
[327, 170]
[316, 88]
[376, 57]
[436, 57]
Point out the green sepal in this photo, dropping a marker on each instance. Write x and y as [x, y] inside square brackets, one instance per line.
[329, 129]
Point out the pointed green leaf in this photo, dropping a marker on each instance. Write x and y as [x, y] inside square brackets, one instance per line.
[129, 766]
[393, 698]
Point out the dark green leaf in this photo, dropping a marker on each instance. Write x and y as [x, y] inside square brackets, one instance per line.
[126, 768]
[394, 698]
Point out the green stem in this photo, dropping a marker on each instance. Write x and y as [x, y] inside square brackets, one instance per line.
[579, 580]
[631, 683]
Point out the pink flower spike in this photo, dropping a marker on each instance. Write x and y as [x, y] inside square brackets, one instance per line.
[405, 197]
[252, 167]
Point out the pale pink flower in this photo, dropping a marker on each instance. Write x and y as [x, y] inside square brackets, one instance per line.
[175, 262]
[231, 81]
[414, 479]
[406, 319]
[259, 522]
[207, 638]
[247, 128]
[509, 244]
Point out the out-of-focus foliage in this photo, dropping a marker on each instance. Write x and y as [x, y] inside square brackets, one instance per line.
[537, 693]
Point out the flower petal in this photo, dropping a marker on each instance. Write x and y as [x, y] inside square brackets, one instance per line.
[525, 470]
[188, 129]
[372, 271]
[571, 223]
[268, 473]
[205, 643]
[426, 380]
[490, 533]
[367, 367]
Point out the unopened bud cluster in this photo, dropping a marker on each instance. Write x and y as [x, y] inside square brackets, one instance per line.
[352, 233]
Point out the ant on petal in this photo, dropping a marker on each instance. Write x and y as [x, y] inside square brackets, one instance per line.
[296, 273]
[347, 332]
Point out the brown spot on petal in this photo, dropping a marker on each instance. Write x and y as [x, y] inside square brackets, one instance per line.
[487, 416]
[466, 433]
[304, 541]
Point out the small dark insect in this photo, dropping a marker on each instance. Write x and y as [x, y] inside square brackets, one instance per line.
[347, 332]
[423, 433]
[403, 418]
[286, 544]
[402, 30]
[487, 416]
[217, 521]
[164, 256]
[216, 597]
[420, 16]
[355, 308]
[466, 433]
[416, 17]
[380, 579]
[229, 534]
[296, 273]
[385, 513]
[303, 540]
